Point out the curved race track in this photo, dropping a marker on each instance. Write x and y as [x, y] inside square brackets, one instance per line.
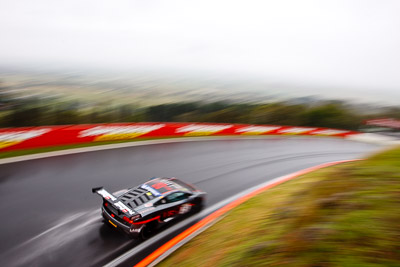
[51, 218]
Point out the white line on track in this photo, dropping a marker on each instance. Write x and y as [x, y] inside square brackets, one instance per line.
[67, 230]
[363, 137]
[132, 144]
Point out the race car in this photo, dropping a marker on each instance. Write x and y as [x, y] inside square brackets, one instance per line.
[140, 210]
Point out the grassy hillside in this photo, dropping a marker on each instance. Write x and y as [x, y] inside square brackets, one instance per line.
[347, 215]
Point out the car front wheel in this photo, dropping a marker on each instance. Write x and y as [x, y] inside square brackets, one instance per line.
[198, 206]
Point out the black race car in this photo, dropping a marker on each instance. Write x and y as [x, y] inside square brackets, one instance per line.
[138, 211]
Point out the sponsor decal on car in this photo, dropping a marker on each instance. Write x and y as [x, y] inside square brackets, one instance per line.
[160, 185]
[175, 186]
[185, 208]
[194, 129]
[164, 186]
[151, 189]
[124, 208]
[103, 133]
[255, 130]
[106, 195]
[146, 210]
[12, 138]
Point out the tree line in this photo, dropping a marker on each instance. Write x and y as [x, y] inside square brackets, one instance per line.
[38, 112]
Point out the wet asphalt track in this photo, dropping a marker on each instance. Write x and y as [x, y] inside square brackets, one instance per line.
[49, 217]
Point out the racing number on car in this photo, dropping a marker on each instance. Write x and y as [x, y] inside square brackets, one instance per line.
[184, 208]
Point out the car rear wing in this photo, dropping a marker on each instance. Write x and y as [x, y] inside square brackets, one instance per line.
[103, 193]
[113, 200]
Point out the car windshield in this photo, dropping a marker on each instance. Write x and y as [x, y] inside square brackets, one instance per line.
[176, 196]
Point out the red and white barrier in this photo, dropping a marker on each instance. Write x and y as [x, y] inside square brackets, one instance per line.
[46, 136]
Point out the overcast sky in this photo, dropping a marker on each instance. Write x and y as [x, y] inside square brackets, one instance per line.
[347, 44]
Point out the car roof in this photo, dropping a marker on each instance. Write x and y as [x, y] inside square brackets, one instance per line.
[163, 185]
[152, 190]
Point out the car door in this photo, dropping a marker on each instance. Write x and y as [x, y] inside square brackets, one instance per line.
[176, 204]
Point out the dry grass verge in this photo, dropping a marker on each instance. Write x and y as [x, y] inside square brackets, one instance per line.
[347, 215]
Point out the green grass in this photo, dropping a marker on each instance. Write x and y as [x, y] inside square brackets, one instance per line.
[346, 215]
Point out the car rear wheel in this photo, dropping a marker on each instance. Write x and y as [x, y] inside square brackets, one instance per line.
[147, 231]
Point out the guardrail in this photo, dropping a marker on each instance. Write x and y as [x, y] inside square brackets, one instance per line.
[47, 136]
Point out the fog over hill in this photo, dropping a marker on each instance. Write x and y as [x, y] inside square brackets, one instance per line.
[148, 88]
[334, 49]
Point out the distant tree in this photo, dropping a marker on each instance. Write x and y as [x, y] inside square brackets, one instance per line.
[236, 113]
[63, 117]
[277, 113]
[37, 111]
[331, 115]
[168, 112]
[138, 116]
[390, 112]
[125, 113]
[25, 117]
[227, 115]
[192, 116]
[212, 107]
[3, 95]
[94, 116]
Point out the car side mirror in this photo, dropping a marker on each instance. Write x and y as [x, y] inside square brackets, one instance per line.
[161, 202]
